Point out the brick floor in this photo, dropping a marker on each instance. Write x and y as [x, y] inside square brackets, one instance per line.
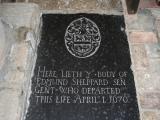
[148, 4]
[144, 38]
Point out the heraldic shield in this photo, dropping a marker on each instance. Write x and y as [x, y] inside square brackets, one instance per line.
[82, 38]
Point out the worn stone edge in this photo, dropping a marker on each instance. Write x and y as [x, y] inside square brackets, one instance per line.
[74, 11]
[26, 102]
[132, 60]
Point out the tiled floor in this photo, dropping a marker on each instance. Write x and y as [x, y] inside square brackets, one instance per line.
[148, 4]
[143, 33]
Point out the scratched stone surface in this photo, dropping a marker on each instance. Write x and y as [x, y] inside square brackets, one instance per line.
[99, 86]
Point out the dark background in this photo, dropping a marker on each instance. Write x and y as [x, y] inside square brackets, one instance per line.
[113, 54]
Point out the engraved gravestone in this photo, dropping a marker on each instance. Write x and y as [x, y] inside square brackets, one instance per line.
[83, 70]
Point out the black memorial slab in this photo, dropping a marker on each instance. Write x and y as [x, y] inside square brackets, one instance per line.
[83, 70]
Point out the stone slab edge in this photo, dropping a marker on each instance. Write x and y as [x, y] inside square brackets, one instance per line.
[130, 47]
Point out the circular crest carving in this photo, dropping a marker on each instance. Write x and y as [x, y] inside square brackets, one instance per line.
[82, 38]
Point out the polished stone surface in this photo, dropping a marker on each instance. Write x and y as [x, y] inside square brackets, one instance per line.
[98, 87]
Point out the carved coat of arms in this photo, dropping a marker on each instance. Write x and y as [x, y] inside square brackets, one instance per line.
[82, 38]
